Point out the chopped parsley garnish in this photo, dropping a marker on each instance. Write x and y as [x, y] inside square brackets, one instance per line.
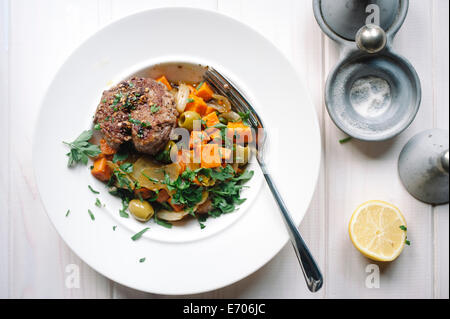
[139, 235]
[81, 149]
[117, 99]
[127, 167]
[137, 122]
[345, 140]
[123, 212]
[68, 213]
[190, 100]
[162, 222]
[93, 190]
[122, 179]
[245, 117]
[91, 214]
[199, 85]
[97, 127]
[142, 260]
[114, 228]
[154, 108]
[402, 227]
[120, 156]
[407, 242]
[98, 203]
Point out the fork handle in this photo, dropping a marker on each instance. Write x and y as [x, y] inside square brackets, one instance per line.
[311, 271]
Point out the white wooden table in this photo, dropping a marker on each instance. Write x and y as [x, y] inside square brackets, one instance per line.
[37, 36]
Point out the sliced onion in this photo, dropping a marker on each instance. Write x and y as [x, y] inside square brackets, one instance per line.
[146, 168]
[171, 216]
[182, 97]
[231, 116]
[176, 216]
[222, 102]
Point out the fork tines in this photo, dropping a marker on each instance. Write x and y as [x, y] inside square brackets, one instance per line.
[224, 87]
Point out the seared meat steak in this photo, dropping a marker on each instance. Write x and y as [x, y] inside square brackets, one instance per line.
[141, 110]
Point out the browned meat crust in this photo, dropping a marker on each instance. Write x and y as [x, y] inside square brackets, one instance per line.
[141, 110]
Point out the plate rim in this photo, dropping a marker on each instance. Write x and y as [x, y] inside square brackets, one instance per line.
[235, 21]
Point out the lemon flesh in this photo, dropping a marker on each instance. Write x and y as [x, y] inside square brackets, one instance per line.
[377, 229]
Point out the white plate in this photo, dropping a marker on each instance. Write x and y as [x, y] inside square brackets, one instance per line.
[184, 259]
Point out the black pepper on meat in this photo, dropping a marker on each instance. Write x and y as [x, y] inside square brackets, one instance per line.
[141, 110]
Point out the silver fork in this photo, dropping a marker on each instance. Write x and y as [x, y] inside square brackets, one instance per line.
[311, 271]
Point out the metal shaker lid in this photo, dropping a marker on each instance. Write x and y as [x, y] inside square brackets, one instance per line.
[341, 19]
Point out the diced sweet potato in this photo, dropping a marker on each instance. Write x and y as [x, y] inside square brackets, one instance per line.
[197, 104]
[176, 207]
[163, 196]
[242, 132]
[210, 156]
[164, 81]
[205, 92]
[198, 138]
[211, 119]
[101, 170]
[106, 149]
[143, 192]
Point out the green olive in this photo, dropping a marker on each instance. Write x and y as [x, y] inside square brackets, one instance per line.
[242, 155]
[141, 210]
[187, 119]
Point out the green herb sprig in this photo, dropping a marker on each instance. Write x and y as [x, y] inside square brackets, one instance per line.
[81, 149]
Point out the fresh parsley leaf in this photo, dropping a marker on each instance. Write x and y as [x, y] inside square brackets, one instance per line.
[81, 149]
[154, 108]
[162, 222]
[220, 126]
[245, 117]
[407, 242]
[127, 167]
[244, 177]
[91, 214]
[139, 235]
[199, 85]
[142, 260]
[345, 140]
[123, 212]
[402, 227]
[120, 157]
[93, 190]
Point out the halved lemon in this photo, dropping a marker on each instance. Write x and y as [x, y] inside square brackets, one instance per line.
[378, 230]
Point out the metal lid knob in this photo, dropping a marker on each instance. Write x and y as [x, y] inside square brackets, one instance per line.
[444, 161]
[371, 38]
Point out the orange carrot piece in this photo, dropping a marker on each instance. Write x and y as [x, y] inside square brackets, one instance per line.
[197, 104]
[211, 119]
[106, 149]
[242, 132]
[164, 81]
[143, 192]
[198, 138]
[210, 156]
[209, 110]
[163, 196]
[101, 170]
[176, 207]
[205, 92]
[213, 133]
